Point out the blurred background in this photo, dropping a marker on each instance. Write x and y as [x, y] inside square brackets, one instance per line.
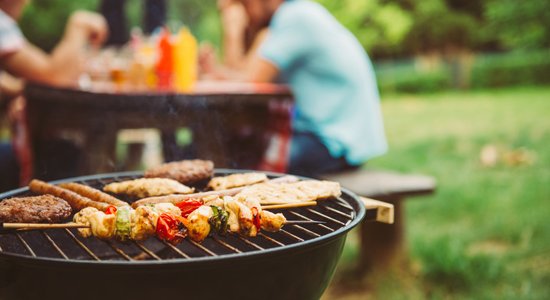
[465, 90]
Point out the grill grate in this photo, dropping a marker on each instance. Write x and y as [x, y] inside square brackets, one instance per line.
[66, 244]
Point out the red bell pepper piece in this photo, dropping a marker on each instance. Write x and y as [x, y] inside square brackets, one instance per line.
[188, 206]
[110, 210]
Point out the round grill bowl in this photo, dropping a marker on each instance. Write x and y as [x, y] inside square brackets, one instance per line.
[295, 264]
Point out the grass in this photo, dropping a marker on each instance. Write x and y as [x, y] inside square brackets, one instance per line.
[485, 234]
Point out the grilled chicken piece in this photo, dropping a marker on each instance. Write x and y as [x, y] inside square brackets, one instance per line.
[83, 217]
[198, 226]
[307, 190]
[236, 180]
[316, 189]
[233, 209]
[144, 222]
[102, 225]
[148, 187]
[240, 217]
[167, 208]
[272, 222]
[144, 219]
[213, 200]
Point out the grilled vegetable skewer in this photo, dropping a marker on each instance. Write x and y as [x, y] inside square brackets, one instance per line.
[174, 222]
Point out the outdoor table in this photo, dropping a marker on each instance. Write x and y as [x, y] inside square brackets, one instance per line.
[231, 123]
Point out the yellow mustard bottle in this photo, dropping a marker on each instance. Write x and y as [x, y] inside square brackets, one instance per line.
[185, 60]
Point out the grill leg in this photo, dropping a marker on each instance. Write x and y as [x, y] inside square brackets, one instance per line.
[382, 244]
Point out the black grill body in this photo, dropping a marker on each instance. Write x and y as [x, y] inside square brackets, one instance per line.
[296, 263]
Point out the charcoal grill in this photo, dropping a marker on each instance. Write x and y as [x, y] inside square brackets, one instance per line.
[295, 263]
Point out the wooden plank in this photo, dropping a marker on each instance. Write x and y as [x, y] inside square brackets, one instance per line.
[385, 211]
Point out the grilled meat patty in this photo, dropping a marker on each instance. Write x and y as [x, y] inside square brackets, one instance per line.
[185, 171]
[37, 209]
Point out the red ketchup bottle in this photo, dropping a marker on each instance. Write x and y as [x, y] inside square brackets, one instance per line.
[165, 63]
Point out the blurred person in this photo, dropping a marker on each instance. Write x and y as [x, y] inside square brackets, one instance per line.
[23, 60]
[154, 16]
[241, 38]
[338, 122]
[64, 65]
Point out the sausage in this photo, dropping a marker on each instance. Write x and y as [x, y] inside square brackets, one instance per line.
[76, 201]
[93, 194]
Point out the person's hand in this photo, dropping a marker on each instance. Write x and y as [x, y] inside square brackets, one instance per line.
[92, 25]
[207, 59]
[233, 16]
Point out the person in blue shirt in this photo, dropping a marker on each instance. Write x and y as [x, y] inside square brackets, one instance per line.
[338, 121]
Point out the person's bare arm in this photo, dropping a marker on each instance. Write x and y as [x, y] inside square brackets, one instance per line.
[234, 23]
[10, 86]
[63, 66]
[261, 70]
[250, 68]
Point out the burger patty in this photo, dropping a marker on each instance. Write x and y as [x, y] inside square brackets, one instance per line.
[185, 171]
[37, 209]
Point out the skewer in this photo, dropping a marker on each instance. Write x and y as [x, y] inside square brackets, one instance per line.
[290, 205]
[7, 227]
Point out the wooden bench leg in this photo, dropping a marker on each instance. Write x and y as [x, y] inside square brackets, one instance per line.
[382, 243]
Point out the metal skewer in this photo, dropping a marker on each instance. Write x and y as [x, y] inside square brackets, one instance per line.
[300, 222]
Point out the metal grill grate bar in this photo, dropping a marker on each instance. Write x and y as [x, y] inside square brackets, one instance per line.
[25, 244]
[226, 245]
[338, 212]
[178, 251]
[307, 231]
[78, 242]
[343, 204]
[308, 219]
[291, 235]
[270, 239]
[54, 245]
[147, 251]
[203, 248]
[250, 243]
[119, 251]
[326, 217]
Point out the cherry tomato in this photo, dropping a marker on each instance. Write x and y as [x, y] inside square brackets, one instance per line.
[168, 229]
[110, 210]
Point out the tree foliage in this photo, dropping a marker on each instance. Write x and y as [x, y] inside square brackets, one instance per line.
[386, 28]
[379, 25]
[519, 24]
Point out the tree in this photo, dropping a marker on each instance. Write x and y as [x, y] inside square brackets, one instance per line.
[43, 22]
[519, 24]
[380, 26]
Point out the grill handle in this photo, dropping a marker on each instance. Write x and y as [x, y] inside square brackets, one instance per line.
[384, 210]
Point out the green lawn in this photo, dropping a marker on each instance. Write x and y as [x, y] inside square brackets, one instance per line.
[485, 234]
